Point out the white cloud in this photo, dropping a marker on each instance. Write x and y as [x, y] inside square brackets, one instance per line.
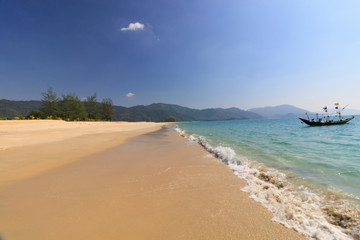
[130, 94]
[133, 27]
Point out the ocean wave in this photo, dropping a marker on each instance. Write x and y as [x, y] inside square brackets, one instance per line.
[317, 216]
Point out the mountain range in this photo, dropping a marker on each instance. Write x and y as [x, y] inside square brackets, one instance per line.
[155, 112]
[160, 111]
[282, 111]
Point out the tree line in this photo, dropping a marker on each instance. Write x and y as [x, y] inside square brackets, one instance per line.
[70, 107]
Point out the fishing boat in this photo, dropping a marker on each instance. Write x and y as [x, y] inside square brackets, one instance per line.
[326, 121]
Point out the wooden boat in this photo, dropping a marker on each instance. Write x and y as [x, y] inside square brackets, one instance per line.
[326, 123]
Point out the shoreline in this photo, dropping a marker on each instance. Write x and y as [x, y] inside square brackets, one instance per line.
[294, 202]
[145, 188]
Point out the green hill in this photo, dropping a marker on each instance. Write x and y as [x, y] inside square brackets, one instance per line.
[160, 111]
[12, 109]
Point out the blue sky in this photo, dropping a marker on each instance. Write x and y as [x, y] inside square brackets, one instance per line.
[196, 53]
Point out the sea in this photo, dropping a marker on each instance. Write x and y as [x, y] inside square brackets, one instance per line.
[308, 177]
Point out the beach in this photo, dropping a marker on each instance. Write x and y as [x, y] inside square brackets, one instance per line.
[31, 147]
[80, 180]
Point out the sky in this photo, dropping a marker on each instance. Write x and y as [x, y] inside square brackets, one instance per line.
[194, 53]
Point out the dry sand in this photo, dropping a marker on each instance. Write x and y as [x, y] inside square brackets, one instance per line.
[30, 147]
[153, 186]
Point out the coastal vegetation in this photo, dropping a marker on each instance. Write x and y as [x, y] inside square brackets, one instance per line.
[170, 119]
[68, 107]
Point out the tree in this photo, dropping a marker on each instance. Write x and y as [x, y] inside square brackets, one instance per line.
[71, 108]
[92, 107]
[107, 109]
[49, 103]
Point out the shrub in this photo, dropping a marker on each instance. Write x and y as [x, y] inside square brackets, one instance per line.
[170, 119]
[35, 114]
[16, 118]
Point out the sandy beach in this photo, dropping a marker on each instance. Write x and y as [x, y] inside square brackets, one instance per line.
[31, 147]
[61, 180]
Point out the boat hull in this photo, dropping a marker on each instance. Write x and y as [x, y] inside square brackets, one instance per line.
[313, 123]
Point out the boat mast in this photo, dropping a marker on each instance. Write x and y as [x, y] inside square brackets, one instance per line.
[326, 111]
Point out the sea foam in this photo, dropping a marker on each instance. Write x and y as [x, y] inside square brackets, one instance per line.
[295, 206]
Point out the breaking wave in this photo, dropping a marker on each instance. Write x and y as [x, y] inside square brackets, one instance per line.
[317, 215]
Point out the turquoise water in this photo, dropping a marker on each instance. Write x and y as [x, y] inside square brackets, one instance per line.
[321, 162]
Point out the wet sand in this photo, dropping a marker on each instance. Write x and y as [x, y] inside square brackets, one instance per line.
[153, 186]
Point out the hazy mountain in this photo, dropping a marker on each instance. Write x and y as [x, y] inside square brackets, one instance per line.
[350, 112]
[282, 111]
[154, 112]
